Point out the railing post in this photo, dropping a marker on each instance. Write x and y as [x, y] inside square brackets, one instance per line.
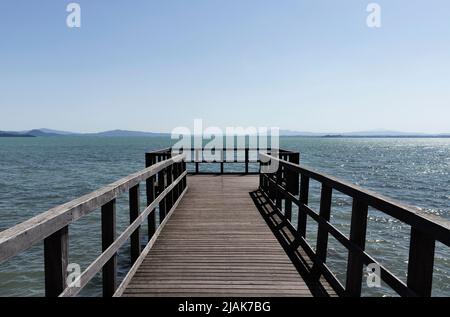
[261, 176]
[222, 160]
[180, 171]
[279, 183]
[161, 187]
[291, 184]
[183, 169]
[358, 237]
[246, 160]
[324, 213]
[420, 264]
[266, 182]
[169, 197]
[56, 258]
[108, 236]
[150, 189]
[176, 174]
[149, 160]
[151, 195]
[304, 193]
[196, 161]
[135, 239]
[272, 185]
[180, 184]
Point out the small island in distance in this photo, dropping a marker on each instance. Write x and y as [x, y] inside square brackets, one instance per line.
[43, 132]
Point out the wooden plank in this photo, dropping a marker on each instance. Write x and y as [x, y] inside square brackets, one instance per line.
[56, 258]
[216, 243]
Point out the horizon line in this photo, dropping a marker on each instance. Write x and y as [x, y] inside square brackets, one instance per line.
[282, 131]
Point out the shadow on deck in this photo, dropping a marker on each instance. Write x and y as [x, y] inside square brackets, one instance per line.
[318, 286]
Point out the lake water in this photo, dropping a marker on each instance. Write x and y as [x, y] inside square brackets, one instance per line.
[39, 173]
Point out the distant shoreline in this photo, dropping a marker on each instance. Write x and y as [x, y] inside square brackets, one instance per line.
[282, 136]
[16, 136]
[386, 136]
[282, 133]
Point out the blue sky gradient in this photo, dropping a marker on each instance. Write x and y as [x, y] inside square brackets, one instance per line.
[310, 65]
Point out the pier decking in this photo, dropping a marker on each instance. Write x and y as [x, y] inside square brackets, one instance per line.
[216, 243]
[227, 235]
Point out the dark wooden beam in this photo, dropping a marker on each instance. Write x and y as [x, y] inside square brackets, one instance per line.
[246, 161]
[56, 258]
[322, 233]
[161, 187]
[108, 236]
[135, 240]
[304, 194]
[358, 237]
[421, 262]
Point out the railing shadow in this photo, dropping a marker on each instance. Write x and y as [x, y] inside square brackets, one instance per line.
[317, 285]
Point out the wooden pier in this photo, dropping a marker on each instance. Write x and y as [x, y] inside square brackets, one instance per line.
[216, 243]
[219, 233]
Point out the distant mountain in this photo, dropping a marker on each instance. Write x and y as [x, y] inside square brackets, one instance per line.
[57, 132]
[126, 133]
[7, 134]
[38, 132]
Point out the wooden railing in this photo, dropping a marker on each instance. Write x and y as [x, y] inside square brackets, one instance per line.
[196, 157]
[165, 186]
[290, 183]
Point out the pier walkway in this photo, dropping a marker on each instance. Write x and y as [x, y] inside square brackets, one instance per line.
[216, 243]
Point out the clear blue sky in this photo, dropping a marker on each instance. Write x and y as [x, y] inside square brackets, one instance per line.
[310, 65]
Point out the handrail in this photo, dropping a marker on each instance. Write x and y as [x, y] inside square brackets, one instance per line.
[284, 184]
[433, 225]
[198, 157]
[166, 178]
[169, 149]
[24, 235]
